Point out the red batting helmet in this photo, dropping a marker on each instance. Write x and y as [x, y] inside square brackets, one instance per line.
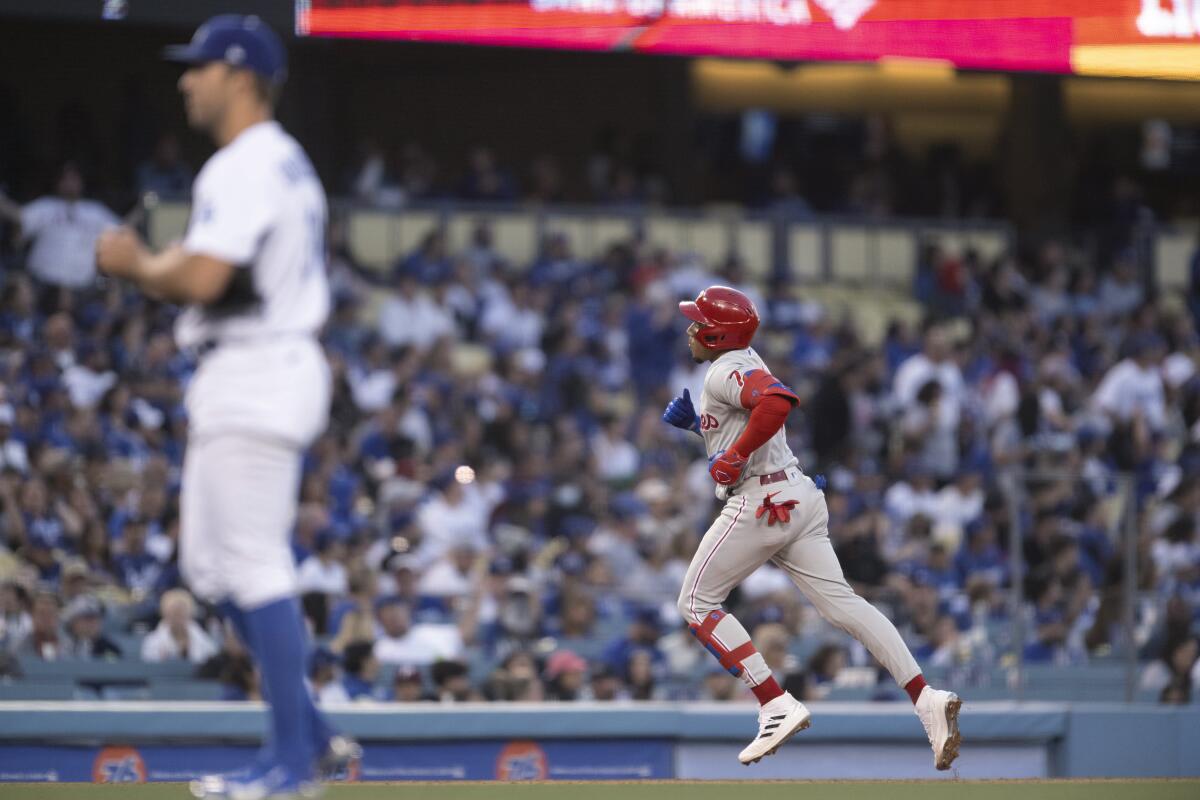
[727, 317]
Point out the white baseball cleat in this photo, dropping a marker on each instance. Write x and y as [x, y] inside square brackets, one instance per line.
[938, 712]
[276, 783]
[778, 721]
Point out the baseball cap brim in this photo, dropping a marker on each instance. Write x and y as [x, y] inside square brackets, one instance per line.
[692, 311]
[184, 54]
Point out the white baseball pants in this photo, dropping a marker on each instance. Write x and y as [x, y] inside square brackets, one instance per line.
[252, 409]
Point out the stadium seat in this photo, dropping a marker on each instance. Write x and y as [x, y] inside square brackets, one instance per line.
[39, 690]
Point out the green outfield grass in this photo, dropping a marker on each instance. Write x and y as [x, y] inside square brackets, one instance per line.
[666, 790]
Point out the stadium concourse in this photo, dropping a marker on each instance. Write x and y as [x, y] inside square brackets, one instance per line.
[497, 511]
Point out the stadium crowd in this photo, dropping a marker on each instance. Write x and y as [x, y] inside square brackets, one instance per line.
[497, 511]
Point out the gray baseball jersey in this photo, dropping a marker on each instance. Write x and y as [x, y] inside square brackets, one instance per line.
[729, 387]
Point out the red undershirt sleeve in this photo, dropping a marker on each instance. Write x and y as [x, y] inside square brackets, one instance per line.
[766, 419]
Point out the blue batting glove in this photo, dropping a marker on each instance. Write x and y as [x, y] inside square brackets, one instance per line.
[682, 414]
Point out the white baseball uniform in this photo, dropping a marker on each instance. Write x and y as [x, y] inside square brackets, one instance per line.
[740, 541]
[261, 393]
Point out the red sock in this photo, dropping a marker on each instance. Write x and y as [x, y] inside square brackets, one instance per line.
[914, 688]
[767, 691]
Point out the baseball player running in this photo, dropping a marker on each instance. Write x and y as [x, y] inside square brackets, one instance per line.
[251, 271]
[773, 512]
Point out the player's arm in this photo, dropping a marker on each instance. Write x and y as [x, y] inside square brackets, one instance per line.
[769, 402]
[175, 274]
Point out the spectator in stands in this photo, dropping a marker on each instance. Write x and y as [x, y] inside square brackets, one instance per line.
[232, 667]
[577, 619]
[930, 434]
[402, 642]
[63, 228]
[641, 638]
[1178, 665]
[566, 674]
[721, 687]
[515, 317]
[452, 682]
[1177, 692]
[515, 680]
[89, 378]
[545, 181]
[643, 676]
[84, 620]
[1131, 392]
[935, 362]
[412, 317]
[604, 684]
[45, 639]
[785, 199]
[376, 181]
[980, 556]
[1050, 623]
[1120, 292]
[323, 673]
[429, 263]
[164, 173]
[518, 617]
[34, 521]
[408, 686]
[945, 647]
[15, 621]
[360, 671]
[139, 571]
[454, 516]
[178, 635]
[323, 572]
[829, 414]
[822, 670]
[14, 456]
[485, 180]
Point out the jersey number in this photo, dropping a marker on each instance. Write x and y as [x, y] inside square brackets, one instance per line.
[708, 422]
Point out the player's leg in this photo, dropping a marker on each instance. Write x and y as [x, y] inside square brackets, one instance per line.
[198, 542]
[261, 479]
[202, 518]
[251, 488]
[723, 560]
[813, 566]
[732, 548]
[323, 733]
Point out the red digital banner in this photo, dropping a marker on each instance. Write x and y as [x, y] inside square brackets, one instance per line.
[1156, 38]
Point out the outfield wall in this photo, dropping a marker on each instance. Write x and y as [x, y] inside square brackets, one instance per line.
[130, 741]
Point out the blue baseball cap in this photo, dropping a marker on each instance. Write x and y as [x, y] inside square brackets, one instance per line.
[240, 41]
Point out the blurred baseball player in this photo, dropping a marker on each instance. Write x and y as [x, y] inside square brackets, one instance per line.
[773, 512]
[251, 271]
